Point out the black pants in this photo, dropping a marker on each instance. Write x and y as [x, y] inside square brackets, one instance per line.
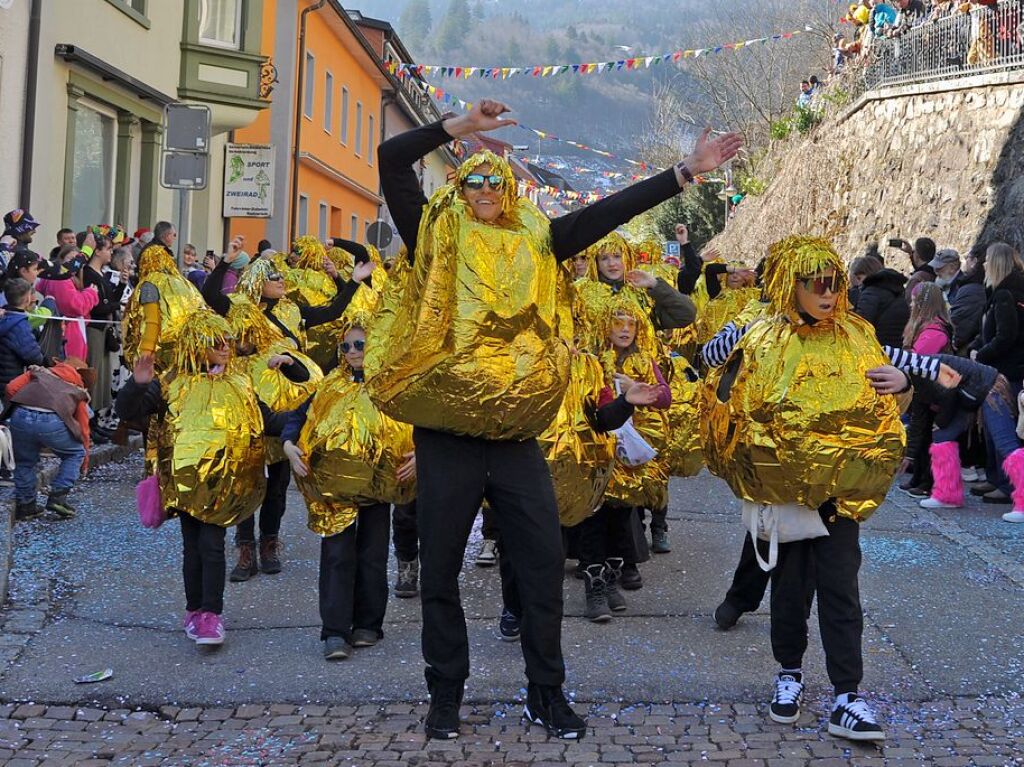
[832, 563]
[202, 565]
[659, 518]
[403, 533]
[509, 588]
[279, 475]
[608, 532]
[489, 527]
[454, 474]
[354, 575]
[749, 582]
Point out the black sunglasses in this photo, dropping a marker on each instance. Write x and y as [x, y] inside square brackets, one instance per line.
[476, 181]
[346, 347]
[275, 277]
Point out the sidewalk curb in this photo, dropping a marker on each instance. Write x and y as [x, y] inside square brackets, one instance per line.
[100, 456]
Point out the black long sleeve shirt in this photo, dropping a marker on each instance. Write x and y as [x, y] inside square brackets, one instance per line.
[570, 233]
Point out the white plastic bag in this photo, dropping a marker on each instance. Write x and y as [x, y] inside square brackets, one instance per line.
[780, 523]
[630, 448]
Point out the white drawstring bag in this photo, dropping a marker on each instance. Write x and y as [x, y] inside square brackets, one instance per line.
[780, 523]
[631, 449]
[1020, 415]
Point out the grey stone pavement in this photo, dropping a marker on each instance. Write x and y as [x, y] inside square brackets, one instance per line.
[943, 595]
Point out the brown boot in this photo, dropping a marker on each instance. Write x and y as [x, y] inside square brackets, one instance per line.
[270, 555]
[246, 567]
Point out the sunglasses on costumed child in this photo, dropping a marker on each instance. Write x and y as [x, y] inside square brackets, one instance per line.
[346, 347]
[476, 181]
[820, 285]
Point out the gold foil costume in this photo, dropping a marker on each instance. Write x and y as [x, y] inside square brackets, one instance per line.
[645, 485]
[650, 255]
[353, 452]
[307, 283]
[580, 459]
[684, 455]
[592, 297]
[470, 344]
[179, 301]
[791, 416]
[208, 446]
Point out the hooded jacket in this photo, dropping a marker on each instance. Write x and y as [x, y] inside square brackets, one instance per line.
[882, 302]
[1002, 329]
[967, 306]
[18, 347]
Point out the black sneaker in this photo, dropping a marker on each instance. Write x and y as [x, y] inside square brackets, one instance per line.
[630, 578]
[595, 588]
[58, 504]
[509, 626]
[26, 510]
[442, 722]
[919, 492]
[547, 706]
[336, 648]
[659, 541]
[245, 568]
[854, 720]
[407, 582]
[727, 616]
[785, 705]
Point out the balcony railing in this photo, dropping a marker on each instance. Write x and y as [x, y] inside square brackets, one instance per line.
[960, 44]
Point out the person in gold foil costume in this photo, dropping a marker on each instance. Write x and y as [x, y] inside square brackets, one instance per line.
[161, 304]
[277, 329]
[351, 463]
[613, 271]
[207, 448]
[794, 419]
[630, 358]
[472, 356]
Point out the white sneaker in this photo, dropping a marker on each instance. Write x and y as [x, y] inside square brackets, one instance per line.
[488, 556]
[935, 503]
[969, 474]
[1013, 516]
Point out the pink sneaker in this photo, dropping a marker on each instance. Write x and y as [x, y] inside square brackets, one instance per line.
[209, 629]
[191, 624]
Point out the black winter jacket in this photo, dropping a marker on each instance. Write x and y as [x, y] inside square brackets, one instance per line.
[1001, 342]
[967, 307]
[883, 304]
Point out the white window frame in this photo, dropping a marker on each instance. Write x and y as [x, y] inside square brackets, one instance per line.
[309, 86]
[359, 129]
[343, 128]
[355, 228]
[328, 100]
[370, 128]
[303, 223]
[237, 45]
[324, 221]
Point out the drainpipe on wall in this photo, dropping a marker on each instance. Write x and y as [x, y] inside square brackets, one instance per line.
[29, 125]
[299, 101]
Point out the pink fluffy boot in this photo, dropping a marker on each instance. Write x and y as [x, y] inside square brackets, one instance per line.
[1013, 466]
[948, 485]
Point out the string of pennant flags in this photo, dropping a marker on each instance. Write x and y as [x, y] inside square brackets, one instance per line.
[636, 63]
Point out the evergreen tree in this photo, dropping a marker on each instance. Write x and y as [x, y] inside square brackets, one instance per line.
[456, 23]
[414, 25]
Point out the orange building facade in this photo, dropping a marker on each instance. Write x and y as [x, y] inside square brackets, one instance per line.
[326, 182]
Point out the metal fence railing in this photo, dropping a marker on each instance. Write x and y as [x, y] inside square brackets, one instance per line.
[958, 44]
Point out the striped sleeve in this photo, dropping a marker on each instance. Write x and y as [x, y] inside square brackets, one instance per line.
[716, 351]
[914, 364]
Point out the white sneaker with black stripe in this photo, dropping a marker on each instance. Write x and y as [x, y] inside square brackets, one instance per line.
[852, 718]
[789, 691]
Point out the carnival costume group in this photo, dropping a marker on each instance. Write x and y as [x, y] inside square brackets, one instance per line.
[549, 369]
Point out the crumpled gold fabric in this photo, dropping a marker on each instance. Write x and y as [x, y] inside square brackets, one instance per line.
[649, 255]
[470, 343]
[210, 447]
[721, 310]
[307, 283]
[251, 325]
[273, 388]
[700, 295]
[683, 455]
[179, 300]
[580, 459]
[791, 418]
[645, 485]
[353, 451]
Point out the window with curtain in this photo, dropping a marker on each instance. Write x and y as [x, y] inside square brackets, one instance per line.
[355, 229]
[220, 23]
[328, 100]
[343, 129]
[307, 95]
[359, 128]
[92, 167]
[324, 212]
[369, 140]
[303, 223]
